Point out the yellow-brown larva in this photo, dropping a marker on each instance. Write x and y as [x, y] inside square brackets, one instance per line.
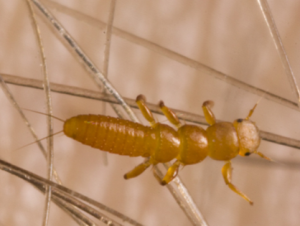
[161, 143]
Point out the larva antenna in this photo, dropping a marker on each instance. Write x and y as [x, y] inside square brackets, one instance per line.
[44, 114]
[53, 134]
[252, 110]
[268, 159]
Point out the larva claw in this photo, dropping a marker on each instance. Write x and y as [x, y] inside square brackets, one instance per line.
[208, 103]
[163, 183]
[141, 97]
[161, 104]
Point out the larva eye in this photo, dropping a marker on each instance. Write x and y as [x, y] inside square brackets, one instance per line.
[239, 120]
[247, 153]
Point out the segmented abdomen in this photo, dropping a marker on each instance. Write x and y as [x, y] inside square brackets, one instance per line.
[112, 134]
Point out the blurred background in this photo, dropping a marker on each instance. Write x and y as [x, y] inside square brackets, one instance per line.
[229, 36]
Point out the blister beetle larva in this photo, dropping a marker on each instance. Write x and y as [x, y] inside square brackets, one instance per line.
[160, 143]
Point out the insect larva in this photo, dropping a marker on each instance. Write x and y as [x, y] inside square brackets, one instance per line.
[190, 144]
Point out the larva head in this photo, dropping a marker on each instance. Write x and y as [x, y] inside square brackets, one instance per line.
[248, 135]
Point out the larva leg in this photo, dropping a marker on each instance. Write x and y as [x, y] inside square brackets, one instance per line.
[209, 115]
[138, 169]
[171, 173]
[171, 116]
[227, 173]
[140, 101]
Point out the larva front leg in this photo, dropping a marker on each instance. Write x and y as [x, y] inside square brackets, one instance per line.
[227, 174]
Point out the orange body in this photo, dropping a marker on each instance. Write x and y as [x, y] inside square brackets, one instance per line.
[161, 143]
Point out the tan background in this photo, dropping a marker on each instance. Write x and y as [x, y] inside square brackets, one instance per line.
[229, 36]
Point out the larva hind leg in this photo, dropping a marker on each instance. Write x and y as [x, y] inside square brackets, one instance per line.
[171, 116]
[141, 103]
[227, 174]
[138, 169]
[208, 114]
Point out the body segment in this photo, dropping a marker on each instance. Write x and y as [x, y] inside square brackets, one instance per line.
[222, 141]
